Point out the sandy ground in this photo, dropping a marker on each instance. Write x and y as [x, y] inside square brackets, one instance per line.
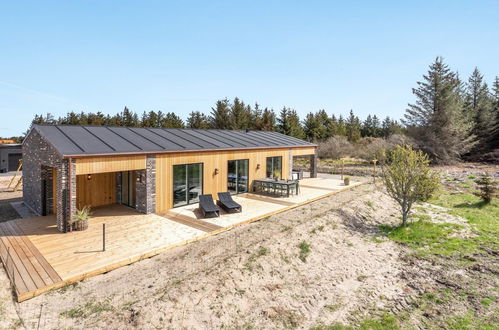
[251, 276]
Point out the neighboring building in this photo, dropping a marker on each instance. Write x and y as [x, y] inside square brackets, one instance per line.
[10, 155]
[7, 141]
[149, 169]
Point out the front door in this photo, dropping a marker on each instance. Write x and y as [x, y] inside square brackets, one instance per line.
[128, 187]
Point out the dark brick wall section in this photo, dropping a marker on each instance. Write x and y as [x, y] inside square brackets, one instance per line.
[313, 165]
[39, 157]
[146, 187]
[37, 154]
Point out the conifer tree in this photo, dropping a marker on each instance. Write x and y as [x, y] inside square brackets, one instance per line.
[353, 128]
[436, 119]
[311, 127]
[478, 108]
[171, 120]
[220, 115]
[289, 123]
[240, 115]
[198, 120]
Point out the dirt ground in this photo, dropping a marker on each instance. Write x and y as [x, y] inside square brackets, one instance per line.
[255, 275]
[7, 196]
[318, 264]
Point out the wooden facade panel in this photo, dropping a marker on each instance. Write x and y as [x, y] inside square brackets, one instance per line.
[212, 183]
[99, 190]
[94, 165]
[304, 151]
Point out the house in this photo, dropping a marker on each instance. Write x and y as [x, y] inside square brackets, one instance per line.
[10, 155]
[149, 169]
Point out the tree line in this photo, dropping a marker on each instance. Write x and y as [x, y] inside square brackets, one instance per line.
[452, 119]
[237, 115]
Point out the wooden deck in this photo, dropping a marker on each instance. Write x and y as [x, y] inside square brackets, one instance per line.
[192, 222]
[38, 258]
[26, 267]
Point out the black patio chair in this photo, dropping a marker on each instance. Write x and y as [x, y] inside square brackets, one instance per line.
[226, 202]
[208, 207]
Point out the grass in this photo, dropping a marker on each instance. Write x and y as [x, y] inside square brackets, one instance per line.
[440, 238]
[384, 322]
[88, 309]
[304, 251]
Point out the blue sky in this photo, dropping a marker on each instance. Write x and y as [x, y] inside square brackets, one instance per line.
[183, 56]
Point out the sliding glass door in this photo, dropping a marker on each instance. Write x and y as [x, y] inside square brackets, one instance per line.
[274, 164]
[237, 176]
[187, 183]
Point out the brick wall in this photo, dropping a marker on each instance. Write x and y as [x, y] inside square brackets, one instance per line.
[39, 157]
[146, 187]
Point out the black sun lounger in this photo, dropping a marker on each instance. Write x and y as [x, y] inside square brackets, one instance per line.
[226, 202]
[208, 207]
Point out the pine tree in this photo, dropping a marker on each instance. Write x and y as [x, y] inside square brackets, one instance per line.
[197, 119]
[240, 115]
[342, 126]
[478, 107]
[332, 127]
[289, 123]
[171, 120]
[376, 127]
[368, 127]
[436, 119]
[494, 135]
[220, 115]
[353, 128]
[311, 127]
[266, 121]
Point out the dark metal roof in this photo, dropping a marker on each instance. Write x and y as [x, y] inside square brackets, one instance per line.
[72, 140]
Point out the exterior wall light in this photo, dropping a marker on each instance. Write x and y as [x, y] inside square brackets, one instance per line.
[216, 171]
[257, 166]
[89, 177]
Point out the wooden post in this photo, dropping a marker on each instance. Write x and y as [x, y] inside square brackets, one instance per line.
[15, 174]
[374, 173]
[103, 237]
[342, 168]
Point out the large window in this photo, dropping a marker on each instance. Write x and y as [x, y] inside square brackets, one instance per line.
[187, 183]
[237, 176]
[274, 164]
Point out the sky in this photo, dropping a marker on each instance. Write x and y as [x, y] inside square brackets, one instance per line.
[183, 56]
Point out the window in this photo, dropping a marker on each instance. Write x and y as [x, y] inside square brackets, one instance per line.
[237, 176]
[274, 164]
[187, 183]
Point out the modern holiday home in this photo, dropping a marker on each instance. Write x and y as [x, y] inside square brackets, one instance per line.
[149, 169]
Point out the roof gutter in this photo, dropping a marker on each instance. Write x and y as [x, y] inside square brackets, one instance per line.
[182, 151]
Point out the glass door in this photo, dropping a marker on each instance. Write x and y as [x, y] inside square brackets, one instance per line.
[237, 176]
[128, 187]
[187, 183]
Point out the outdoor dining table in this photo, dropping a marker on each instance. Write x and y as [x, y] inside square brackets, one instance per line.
[273, 183]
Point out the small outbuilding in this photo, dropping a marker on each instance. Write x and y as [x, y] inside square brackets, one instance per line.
[148, 169]
[10, 155]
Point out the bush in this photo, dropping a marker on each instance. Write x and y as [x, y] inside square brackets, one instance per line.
[335, 147]
[408, 178]
[487, 188]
